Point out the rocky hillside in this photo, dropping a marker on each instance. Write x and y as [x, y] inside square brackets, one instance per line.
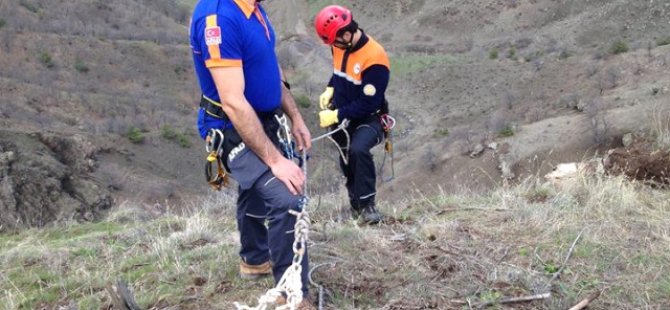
[102, 95]
[492, 90]
[96, 107]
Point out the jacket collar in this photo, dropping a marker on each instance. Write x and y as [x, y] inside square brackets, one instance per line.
[246, 8]
[361, 42]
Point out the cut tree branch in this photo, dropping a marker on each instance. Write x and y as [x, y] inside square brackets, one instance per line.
[505, 300]
[586, 301]
[567, 257]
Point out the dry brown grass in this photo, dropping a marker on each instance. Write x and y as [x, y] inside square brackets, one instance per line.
[436, 252]
[439, 252]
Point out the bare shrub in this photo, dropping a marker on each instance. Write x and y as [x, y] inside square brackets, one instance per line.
[535, 114]
[610, 79]
[570, 101]
[498, 121]
[591, 69]
[429, 159]
[509, 100]
[596, 111]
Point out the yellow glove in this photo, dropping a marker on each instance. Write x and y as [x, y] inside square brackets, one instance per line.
[327, 118]
[326, 97]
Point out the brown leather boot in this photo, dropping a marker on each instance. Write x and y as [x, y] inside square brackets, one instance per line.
[255, 272]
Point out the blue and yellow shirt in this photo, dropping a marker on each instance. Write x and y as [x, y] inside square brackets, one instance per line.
[233, 33]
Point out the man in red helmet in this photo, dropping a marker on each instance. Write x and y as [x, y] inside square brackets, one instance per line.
[361, 73]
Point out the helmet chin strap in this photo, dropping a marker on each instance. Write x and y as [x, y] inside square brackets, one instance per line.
[347, 45]
[350, 44]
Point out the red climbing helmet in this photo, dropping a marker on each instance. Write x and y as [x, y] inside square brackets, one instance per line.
[330, 20]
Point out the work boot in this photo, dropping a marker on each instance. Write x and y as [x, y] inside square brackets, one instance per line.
[355, 213]
[369, 216]
[255, 272]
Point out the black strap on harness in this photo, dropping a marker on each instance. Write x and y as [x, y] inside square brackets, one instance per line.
[212, 107]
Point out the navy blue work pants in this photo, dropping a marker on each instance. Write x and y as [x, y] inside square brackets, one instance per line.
[262, 197]
[360, 168]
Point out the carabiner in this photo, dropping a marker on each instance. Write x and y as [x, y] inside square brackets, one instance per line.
[215, 141]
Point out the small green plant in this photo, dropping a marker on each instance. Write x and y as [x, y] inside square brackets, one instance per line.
[168, 132]
[2, 22]
[532, 56]
[511, 53]
[46, 60]
[508, 131]
[551, 268]
[183, 141]
[663, 41]
[619, 47]
[523, 252]
[80, 66]
[442, 132]
[179, 69]
[490, 296]
[565, 54]
[538, 195]
[135, 135]
[493, 53]
[302, 101]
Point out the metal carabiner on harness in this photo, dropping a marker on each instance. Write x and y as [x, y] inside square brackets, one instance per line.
[214, 148]
[388, 123]
[284, 136]
[214, 142]
[286, 141]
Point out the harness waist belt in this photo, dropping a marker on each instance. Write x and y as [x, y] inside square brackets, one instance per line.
[214, 109]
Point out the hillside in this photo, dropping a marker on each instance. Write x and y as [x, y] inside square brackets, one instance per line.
[101, 168]
[112, 84]
[521, 74]
[546, 81]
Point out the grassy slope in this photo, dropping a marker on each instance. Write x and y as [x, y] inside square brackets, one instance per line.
[433, 251]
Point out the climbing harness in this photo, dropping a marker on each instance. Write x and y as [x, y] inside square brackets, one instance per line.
[214, 148]
[344, 150]
[388, 123]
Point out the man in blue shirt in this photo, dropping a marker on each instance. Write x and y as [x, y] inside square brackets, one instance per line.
[242, 91]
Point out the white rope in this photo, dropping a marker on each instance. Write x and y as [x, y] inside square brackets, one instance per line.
[343, 125]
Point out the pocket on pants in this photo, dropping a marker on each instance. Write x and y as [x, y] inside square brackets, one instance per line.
[245, 166]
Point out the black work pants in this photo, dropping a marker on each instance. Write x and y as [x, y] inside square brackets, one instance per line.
[359, 169]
